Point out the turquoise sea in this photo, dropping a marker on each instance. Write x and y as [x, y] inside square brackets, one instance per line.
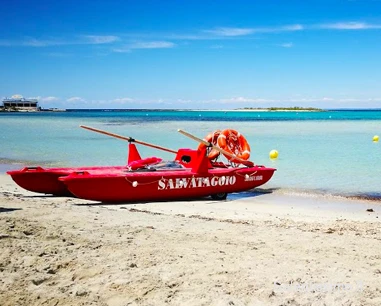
[329, 152]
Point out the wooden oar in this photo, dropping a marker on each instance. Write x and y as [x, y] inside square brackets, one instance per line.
[244, 162]
[128, 139]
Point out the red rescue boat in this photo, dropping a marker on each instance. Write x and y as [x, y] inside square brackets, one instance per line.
[191, 175]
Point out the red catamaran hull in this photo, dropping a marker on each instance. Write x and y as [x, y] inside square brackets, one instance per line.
[191, 175]
[40, 180]
[164, 185]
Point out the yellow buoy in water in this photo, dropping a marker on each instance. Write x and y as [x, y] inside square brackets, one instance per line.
[273, 154]
[376, 138]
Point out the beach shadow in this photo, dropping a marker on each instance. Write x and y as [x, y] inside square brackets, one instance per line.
[3, 209]
[371, 197]
[142, 202]
[251, 193]
[208, 200]
[50, 196]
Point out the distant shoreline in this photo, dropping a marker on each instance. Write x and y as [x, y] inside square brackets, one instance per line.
[270, 109]
[283, 109]
[259, 110]
[16, 110]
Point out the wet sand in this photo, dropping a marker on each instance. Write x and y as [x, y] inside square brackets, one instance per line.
[253, 249]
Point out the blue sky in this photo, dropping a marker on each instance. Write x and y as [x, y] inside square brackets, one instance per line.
[192, 54]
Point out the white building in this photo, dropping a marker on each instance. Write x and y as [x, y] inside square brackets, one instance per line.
[19, 103]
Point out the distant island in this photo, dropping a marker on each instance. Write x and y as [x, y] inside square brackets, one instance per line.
[284, 109]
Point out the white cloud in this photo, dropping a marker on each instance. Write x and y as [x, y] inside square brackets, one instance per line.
[350, 26]
[59, 41]
[287, 45]
[230, 31]
[233, 102]
[145, 45]
[100, 39]
[152, 45]
[122, 50]
[130, 41]
[299, 99]
[76, 99]
[359, 100]
[122, 100]
[294, 27]
[49, 99]
[245, 100]
[33, 42]
[188, 36]
[184, 101]
[247, 31]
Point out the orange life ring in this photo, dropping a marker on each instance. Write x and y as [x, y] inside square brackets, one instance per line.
[234, 143]
[212, 138]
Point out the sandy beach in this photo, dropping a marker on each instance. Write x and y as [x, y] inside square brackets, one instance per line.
[253, 249]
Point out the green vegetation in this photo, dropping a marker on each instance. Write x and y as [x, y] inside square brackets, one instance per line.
[295, 108]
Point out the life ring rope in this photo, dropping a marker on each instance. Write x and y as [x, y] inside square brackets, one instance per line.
[234, 143]
[231, 141]
[211, 138]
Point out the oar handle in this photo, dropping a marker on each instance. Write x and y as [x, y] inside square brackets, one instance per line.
[245, 162]
[106, 133]
[128, 139]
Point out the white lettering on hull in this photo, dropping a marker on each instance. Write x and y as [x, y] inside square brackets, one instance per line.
[253, 178]
[196, 182]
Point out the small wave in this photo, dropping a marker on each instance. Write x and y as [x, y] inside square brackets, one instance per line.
[372, 196]
[375, 197]
[22, 162]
